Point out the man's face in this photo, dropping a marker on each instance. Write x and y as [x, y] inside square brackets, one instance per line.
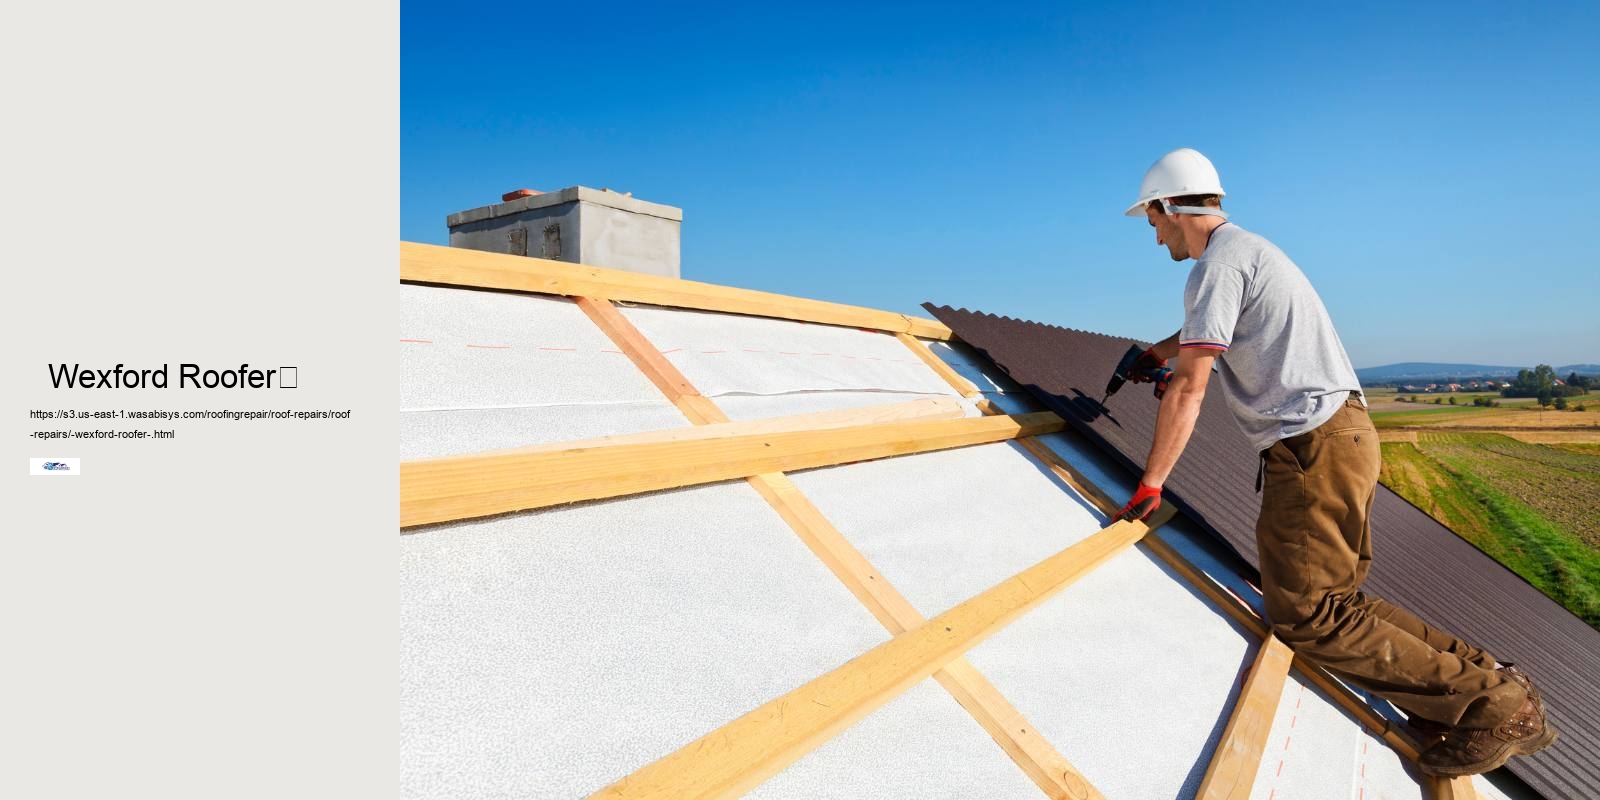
[1167, 233]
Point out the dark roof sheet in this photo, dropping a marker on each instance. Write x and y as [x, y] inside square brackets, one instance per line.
[1418, 563]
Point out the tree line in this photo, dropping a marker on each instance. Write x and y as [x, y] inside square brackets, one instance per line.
[1540, 382]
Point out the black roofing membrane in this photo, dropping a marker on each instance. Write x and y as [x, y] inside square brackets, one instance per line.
[1417, 562]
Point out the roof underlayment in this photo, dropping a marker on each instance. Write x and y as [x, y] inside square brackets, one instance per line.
[1419, 564]
[550, 653]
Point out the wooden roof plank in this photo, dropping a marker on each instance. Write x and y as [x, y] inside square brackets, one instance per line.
[1232, 772]
[455, 266]
[460, 487]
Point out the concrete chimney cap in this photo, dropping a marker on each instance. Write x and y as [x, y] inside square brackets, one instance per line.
[584, 194]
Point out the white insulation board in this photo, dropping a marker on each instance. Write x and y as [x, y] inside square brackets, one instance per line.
[730, 354]
[426, 434]
[749, 407]
[920, 745]
[546, 654]
[1127, 673]
[483, 370]
[944, 526]
[1316, 750]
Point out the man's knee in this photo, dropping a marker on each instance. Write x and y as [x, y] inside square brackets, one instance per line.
[1304, 620]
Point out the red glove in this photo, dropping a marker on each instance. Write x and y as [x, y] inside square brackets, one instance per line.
[1146, 366]
[1144, 501]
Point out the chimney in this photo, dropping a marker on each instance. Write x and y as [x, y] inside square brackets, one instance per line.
[598, 227]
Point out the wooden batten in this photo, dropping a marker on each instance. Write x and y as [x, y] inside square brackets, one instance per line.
[963, 387]
[1232, 772]
[427, 263]
[444, 489]
[928, 408]
[1451, 788]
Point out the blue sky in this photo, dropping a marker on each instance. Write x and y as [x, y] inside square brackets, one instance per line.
[1434, 169]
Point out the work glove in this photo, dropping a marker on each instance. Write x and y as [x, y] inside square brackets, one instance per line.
[1146, 500]
[1146, 367]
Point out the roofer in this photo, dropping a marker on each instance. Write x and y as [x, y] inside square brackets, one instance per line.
[1250, 313]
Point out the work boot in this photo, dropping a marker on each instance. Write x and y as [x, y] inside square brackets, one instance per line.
[1525, 682]
[1426, 731]
[1470, 751]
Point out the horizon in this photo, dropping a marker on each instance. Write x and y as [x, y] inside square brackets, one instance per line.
[881, 157]
[1455, 365]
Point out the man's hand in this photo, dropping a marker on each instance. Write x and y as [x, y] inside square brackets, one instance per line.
[1145, 500]
[1145, 368]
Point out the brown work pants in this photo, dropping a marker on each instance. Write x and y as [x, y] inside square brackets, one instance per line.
[1316, 547]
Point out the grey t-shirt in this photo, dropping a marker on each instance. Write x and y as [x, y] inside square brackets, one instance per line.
[1281, 364]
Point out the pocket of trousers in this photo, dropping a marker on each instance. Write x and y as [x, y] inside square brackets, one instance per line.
[1282, 527]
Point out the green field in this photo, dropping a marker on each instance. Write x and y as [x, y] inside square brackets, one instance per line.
[1533, 507]
[1423, 414]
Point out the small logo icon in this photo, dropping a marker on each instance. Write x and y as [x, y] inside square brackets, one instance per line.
[59, 467]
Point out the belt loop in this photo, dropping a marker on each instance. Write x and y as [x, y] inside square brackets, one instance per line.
[1261, 472]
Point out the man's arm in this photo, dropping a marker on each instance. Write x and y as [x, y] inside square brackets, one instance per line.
[1178, 412]
[1166, 348]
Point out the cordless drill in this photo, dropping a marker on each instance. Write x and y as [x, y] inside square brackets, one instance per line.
[1127, 371]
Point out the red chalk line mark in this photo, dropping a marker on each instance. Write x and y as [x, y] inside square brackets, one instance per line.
[418, 341]
[1284, 757]
[1363, 781]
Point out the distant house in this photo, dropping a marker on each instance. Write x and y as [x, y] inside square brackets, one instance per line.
[1453, 387]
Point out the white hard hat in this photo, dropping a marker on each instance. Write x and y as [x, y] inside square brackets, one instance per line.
[1180, 172]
